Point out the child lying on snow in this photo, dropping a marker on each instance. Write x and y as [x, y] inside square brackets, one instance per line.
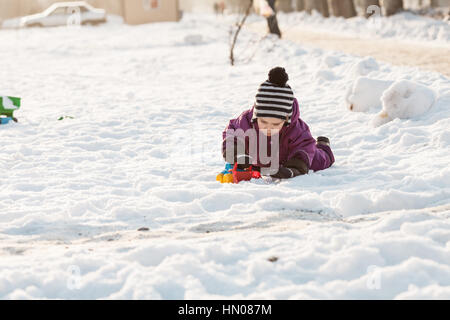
[277, 111]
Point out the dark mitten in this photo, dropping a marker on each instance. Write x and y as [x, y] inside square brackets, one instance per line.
[297, 163]
[292, 168]
[323, 140]
[286, 173]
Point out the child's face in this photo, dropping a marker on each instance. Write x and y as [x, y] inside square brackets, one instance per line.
[270, 124]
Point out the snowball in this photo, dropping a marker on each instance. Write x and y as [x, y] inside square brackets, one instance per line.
[365, 66]
[380, 119]
[366, 94]
[404, 99]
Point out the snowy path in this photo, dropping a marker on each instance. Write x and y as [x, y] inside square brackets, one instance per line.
[143, 150]
[421, 55]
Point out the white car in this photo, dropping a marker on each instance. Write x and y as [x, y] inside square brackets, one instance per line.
[61, 14]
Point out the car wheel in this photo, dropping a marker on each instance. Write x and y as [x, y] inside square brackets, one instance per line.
[93, 22]
[35, 25]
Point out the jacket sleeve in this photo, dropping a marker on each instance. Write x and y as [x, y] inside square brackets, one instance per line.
[323, 158]
[302, 145]
[238, 143]
[230, 126]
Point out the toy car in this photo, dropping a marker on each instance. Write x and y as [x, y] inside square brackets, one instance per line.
[232, 174]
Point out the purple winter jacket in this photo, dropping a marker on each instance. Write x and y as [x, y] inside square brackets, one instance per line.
[296, 140]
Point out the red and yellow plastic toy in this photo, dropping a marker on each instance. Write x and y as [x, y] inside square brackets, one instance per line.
[232, 174]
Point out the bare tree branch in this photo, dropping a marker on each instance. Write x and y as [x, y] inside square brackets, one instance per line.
[239, 27]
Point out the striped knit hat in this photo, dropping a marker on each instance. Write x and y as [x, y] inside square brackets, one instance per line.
[275, 98]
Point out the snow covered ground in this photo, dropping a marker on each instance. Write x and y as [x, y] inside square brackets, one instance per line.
[404, 26]
[149, 106]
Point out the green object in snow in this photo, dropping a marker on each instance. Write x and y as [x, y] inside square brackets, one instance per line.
[65, 117]
[8, 105]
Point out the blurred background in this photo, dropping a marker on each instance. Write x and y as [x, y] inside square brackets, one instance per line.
[171, 10]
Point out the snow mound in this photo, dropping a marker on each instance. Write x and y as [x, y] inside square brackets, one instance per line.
[365, 66]
[404, 100]
[365, 94]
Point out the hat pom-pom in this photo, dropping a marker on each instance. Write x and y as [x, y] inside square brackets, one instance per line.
[278, 76]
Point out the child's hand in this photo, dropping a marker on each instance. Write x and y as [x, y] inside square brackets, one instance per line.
[286, 173]
[323, 141]
[244, 161]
